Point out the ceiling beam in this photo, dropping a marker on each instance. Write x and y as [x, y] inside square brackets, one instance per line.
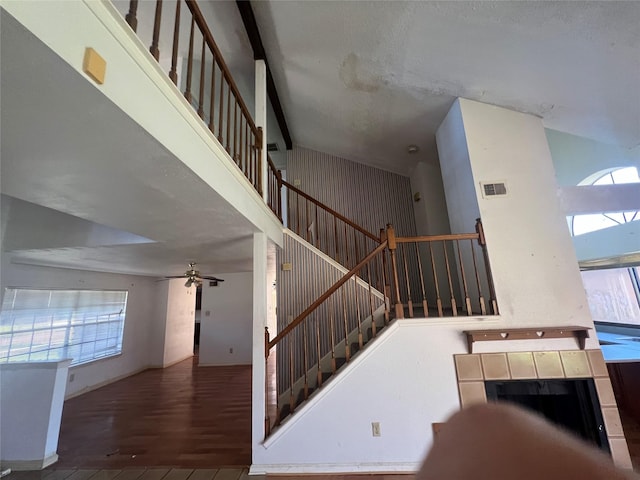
[250, 25]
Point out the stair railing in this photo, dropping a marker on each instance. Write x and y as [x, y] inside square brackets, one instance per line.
[274, 188]
[207, 84]
[327, 230]
[453, 270]
[445, 275]
[311, 341]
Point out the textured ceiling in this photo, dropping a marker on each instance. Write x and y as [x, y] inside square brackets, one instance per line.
[81, 200]
[365, 79]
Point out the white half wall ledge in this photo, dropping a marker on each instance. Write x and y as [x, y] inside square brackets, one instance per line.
[334, 468]
[27, 465]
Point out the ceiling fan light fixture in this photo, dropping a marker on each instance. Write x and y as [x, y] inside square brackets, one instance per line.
[194, 278]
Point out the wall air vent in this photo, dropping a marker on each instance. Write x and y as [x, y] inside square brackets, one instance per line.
[493, 189]
[272, 147]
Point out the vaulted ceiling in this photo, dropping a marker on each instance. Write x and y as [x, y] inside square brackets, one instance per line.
[364, 80]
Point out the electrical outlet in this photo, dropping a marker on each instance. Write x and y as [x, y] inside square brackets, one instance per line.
[72, 377]
[231, 350]
[375, 429]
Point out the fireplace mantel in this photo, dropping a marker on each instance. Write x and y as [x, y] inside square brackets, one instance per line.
[532, 333]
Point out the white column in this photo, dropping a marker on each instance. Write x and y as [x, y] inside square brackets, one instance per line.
[261, 117]
[260, 313]
[534, 266]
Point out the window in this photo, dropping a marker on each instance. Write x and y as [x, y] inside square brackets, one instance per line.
[580, 224]
[83, 325]
[613, 295]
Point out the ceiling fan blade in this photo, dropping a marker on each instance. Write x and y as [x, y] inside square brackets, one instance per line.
[177, 276]
[213, 278]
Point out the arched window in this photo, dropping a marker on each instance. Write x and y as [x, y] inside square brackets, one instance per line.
[580, 224]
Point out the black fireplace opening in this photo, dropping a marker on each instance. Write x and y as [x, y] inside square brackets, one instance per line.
[570, 404]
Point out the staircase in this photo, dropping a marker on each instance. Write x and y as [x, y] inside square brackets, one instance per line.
[370, 282]
[378, 278]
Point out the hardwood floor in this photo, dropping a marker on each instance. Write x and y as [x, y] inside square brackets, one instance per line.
[632, 433]
[134, 474]
[179, 474]
[181, 416]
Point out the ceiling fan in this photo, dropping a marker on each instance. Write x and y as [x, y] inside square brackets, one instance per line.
[194, 278]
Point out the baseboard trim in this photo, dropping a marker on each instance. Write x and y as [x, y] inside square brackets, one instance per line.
[224, 364]
[174, 362]
[106, 382]
[40, 464]
[334, 468]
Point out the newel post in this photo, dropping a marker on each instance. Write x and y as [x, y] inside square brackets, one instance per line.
[482, 241]
[260, 178]
[267, 420]
[391, 239]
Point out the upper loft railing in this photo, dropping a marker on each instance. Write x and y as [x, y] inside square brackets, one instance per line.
[441, 275]
[205, 81]
[327, 230]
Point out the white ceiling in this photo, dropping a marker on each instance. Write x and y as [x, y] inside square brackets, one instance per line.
[96, 181]
[364, 80]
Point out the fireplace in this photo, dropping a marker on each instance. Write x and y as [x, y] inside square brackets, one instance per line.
[562, 385]
[570, 404]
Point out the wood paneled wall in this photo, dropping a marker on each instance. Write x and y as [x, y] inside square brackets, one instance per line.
[369, 196]
[310, 276]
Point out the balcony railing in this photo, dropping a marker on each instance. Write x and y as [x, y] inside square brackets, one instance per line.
[199, 71]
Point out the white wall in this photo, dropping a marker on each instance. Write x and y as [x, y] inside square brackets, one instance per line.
[158, 325]
[405, 380]
[179, 321]
[431, 210]
[226, 320]
[173, 322]
[575, 158]
[609, 243]
[137, 326]
[534, 265]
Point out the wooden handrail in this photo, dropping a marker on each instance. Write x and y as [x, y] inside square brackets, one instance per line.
[204, 28]
[331, 211]
[437, 238]
[326, 295]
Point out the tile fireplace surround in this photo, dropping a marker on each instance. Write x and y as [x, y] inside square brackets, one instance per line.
[473, 369]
